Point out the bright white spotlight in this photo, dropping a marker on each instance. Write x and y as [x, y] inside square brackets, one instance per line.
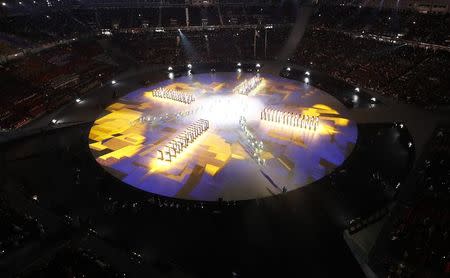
[355, 98]
[35, 197]
[258, 65]
[288, 69]
[239, 64]
[171, 75]
[3, 4]
[373, 99]
[227, 110]
[54, 121]
[189, 73]
[170, 68]
[189, 66]
[306, 80]
[78, 100]
[357, 89]
[113, 82]
[307, 73]
[401, 125]
[409, 144]
[239, 70]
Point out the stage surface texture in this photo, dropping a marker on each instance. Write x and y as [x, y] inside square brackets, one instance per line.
[240, 156]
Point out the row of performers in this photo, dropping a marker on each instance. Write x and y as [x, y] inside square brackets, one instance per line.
[183, 140]
[247, 85]
[164, 117]
[290, 118]
[253, 145]
[186, 98]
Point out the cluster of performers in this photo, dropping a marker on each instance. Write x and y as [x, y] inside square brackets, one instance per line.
[290, 118]
[148, 118]
[183, 140]
[185, 98]
[247, 86]
[253, 146]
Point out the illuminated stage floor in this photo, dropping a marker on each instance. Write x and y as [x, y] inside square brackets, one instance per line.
[221, 163]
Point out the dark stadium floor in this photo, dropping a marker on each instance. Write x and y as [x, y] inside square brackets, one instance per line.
[298, 233]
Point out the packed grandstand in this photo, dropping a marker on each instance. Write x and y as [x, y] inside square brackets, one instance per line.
[57, 53]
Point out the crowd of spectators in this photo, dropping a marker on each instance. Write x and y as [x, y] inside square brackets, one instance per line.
[339, 42]
[75, 262]
[409, 25]
[16, 230]
[419, 239]
[405, 73]
[42, 82]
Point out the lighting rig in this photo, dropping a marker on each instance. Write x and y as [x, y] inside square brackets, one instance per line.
[176, 146]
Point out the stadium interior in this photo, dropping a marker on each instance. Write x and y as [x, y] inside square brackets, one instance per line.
[224, 138]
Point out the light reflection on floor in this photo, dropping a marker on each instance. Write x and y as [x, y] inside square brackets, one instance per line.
[218, 164]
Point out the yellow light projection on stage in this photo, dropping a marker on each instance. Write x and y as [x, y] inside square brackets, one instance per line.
[149, 141]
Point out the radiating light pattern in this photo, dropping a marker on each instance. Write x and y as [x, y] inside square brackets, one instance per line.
[141, 139]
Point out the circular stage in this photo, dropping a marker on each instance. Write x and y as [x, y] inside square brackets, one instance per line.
[234, 136]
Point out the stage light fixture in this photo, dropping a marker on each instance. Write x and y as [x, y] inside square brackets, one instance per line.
[170, 68]
[239, 70]
[239, 64]
[306, 80]
[258, 65]
[307, 73]
[54, 121]
[3, 4]
[288, 69]
[189, 66]
[113, 82]
[78, 100]
[355, 98]
[357, 89]
[373, 99]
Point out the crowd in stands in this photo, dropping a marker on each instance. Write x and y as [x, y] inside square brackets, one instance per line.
[42, 82]
[407, 74]
[420, 236]
[193, 47]
[75, 262]
[337, 42]
[17, 230]
[408, 25]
